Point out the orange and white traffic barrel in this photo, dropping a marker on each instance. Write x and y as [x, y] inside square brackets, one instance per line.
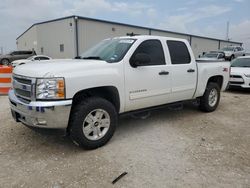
[5, 79]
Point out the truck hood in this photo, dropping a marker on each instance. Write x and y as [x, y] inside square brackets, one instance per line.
[57, 68]
[240, 70]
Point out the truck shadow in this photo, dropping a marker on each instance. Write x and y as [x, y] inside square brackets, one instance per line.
[129, 124]
[48, 140]
[239, 91]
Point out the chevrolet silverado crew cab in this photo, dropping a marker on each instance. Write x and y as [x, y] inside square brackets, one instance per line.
[126, 74]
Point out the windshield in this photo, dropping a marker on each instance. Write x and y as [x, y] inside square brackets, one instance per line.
[110, 50]
[211, 55]
[228, 49]
[241, 62]
[30, 58]
[10, 53]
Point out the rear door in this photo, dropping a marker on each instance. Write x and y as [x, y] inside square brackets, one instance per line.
[148, 85]
[183, 70]
[239, 52]
[17, 55]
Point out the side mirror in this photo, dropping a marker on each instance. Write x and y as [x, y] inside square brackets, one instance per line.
[140, 59]
[199, 56]
[78, 57]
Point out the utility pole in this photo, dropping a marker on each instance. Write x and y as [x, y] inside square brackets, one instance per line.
[227, 34]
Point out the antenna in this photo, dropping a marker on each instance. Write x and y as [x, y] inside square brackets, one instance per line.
[227, 34]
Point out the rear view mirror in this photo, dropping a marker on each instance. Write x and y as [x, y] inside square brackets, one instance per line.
[140, 59]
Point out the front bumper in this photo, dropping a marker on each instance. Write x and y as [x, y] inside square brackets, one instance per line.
[41, 114]
[240, 81]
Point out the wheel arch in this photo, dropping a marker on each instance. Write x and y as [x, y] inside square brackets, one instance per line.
[216, 79]
[109, 93]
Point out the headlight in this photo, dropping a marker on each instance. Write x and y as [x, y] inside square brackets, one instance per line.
[50, 88]
[247, 75]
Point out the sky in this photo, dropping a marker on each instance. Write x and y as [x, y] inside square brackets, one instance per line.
[198, 17]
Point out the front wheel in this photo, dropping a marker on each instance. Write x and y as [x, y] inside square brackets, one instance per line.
[92, 122]
[232, 57]
[211, 98]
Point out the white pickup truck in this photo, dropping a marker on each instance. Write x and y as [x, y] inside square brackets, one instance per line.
[85, 96]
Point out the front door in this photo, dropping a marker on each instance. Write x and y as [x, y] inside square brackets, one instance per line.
[147, 85]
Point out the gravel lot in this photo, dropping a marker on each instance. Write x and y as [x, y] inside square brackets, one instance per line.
[171, 148]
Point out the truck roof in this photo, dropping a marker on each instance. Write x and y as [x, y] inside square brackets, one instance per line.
[151, 37]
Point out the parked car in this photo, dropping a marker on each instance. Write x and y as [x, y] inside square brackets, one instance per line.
[129, 74]
[212, 56]
[240, 72]
[29, 60]
[232, 52]
[15, 55]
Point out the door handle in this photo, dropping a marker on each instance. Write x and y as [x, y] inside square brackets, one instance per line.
[164, 73]
[190, 70]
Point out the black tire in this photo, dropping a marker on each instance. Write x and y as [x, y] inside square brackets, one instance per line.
[232, 57]
[5, 62]
[204, 100]
[78, 114]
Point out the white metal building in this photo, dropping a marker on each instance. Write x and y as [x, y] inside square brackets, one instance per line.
[68, 37]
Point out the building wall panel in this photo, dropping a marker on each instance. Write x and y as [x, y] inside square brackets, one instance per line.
[53, 34]
[47, 37]
[168, 34]
[91, 32]
[200, 45]
[28, 41]
[224, 44]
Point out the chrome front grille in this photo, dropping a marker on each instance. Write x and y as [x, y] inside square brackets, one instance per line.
[236, 80]
[23, 87]
[235, 76]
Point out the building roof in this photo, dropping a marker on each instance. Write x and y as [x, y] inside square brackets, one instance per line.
[123, 24]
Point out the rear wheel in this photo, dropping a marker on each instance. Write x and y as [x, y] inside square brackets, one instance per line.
[92, 122]
[5, 62]
[211, 98]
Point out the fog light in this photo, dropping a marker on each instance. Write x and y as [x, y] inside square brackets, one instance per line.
[41, 121]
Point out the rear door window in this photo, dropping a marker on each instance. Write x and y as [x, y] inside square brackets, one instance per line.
[179, 53]
[44, 58]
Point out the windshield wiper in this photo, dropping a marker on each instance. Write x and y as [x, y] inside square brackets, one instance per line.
[92, 57]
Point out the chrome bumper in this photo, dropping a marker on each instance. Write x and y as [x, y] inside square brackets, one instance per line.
[42, 114]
